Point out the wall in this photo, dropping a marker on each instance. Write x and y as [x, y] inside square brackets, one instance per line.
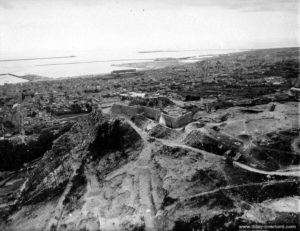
[150, 112]
[177, 122]
[154, 114]
[123, 109]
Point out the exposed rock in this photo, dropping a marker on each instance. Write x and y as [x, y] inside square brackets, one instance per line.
[104, 174]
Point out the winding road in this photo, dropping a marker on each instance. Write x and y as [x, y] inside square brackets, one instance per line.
[144, 135]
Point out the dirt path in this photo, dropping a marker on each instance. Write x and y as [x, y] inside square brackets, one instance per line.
[295, 173]
[92, 203]
[146, 200]
[59, 208]
[271, 173]
[144, 176]
[177, 144]
[58, 211]
[229, 187]
[145, 186]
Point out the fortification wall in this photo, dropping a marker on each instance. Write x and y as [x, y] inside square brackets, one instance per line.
[152, 113]
[184, 119]
[124, 109]
[177, 122]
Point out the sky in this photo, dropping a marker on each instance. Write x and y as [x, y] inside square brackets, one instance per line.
[60, 25]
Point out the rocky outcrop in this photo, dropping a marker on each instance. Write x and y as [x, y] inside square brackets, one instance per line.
[14, 152]
[106, 173]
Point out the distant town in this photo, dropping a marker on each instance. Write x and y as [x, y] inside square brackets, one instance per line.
[239, 79]
[184, 146]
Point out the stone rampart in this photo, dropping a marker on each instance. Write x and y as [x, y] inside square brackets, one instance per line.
[154, 114]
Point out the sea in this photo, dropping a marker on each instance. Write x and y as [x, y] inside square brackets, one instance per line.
[77, 63]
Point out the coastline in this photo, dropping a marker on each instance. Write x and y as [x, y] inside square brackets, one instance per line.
[40, 58]
[89, 63]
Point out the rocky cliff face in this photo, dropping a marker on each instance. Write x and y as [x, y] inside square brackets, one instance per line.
[108, 174]
[22, 149]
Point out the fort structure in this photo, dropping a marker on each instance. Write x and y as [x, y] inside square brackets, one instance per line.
[154, 114]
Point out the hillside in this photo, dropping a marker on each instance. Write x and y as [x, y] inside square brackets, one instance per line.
[106, 173]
